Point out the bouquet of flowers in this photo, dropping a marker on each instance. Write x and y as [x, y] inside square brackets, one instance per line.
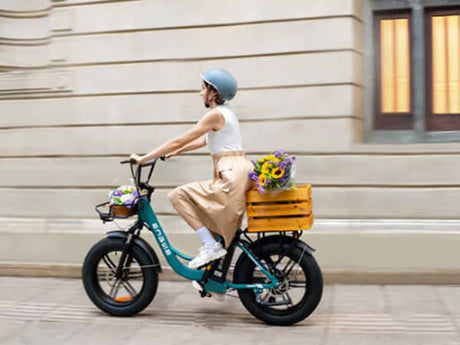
[274, 171]
[123, 196]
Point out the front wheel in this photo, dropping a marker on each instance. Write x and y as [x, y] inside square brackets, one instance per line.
[300, 289]
[128, 294]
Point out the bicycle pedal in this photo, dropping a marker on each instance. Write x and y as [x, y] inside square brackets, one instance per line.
[200, 289]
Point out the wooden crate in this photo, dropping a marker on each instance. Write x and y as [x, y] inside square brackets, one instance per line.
[285, 210]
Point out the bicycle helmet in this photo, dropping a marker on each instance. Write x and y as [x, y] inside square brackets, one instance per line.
[222, 81]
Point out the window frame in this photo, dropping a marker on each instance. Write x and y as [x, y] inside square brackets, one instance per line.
[390, 121]
[419, 133]
[436, 122]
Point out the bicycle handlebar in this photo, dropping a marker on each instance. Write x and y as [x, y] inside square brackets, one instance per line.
[137, 175]
[133, 161]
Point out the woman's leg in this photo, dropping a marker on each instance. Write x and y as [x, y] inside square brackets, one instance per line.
[191, 221]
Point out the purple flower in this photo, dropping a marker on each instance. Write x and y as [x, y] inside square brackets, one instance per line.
[279, 153]
[253, 176]
[116, 192]
[253, 162]
[135, 194]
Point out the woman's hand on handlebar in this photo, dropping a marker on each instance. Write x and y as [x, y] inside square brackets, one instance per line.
[136, 158]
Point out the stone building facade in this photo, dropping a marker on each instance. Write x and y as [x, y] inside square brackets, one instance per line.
[84, 83]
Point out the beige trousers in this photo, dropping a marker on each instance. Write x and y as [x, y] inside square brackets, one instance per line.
[219, 203]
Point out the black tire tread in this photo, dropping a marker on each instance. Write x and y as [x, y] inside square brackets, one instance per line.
[243, 274]
[89, 275]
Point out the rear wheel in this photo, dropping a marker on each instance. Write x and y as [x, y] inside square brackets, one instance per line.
[300, 289]
[120, 296]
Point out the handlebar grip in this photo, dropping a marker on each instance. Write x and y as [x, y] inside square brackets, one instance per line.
[130, 161]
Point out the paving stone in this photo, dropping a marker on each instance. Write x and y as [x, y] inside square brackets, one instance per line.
[36, 311]
[358, 299]
[413, 299]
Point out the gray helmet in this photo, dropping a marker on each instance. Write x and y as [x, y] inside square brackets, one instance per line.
[222, 80]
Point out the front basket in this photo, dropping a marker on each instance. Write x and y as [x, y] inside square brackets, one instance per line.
[109, 212]
[281, 210]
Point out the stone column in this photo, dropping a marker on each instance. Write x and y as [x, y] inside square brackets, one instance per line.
[25, 50]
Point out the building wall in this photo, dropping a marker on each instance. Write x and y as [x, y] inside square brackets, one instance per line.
[86, 83]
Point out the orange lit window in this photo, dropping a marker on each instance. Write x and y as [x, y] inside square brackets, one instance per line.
[395, 65]
[446, 64]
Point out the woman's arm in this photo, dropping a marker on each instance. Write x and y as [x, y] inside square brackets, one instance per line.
[198, 143]
[213, 120]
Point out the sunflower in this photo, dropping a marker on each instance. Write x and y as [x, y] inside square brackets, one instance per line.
[277, 173]
[265, 168]
[262, 180]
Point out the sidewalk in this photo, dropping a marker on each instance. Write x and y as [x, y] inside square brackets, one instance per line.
[56, 311]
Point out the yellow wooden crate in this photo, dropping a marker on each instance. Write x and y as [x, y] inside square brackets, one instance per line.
[285, 210]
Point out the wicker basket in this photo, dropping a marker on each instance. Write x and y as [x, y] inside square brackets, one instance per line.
[285, 210]
[121, 211]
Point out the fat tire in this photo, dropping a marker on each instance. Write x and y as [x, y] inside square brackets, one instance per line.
[95, 292]
[243, 274]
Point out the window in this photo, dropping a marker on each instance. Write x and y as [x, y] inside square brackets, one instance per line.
[443, 53]
[393, 101]
[416, 83]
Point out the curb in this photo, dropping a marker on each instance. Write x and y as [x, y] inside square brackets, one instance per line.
[442, 277]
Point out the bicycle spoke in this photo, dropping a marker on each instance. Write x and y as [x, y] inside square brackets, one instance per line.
[288, 298]
[286, 273]
[297, 285]
[110, 264]
[135, 275]
[114, 290]
[103, 274]
[131, 290]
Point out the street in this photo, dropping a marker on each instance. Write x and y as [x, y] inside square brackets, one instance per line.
[57, 311]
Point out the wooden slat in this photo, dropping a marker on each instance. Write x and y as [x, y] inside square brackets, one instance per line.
[302, 193]
[258, 40]
[296, 209]
[280, 224]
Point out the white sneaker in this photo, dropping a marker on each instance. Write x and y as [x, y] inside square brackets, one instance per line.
[207, 254]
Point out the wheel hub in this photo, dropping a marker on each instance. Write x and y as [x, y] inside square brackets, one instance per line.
[283, 284]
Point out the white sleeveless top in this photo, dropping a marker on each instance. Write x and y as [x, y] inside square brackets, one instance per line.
[228, 138]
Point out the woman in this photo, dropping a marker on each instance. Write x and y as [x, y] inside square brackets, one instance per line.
[215, 206]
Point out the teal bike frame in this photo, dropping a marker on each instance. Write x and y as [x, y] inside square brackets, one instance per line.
[148, 216]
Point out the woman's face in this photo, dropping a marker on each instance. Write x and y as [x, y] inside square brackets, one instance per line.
[206, 94]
